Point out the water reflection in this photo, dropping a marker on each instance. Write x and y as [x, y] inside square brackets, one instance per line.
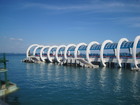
[135, 87]
[42, 69]
[11, 100]
[58, 72]
[50, 84]
[102, 77]
[62, 80]
[88, 77]
[49, 71]
[76, 76]
[118, 77]
[65, 74]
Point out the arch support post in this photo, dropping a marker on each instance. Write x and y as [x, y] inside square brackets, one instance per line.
[102, 52]
[77, 47]
[39, 46]
[134, 51]
[88, 50]
[118, 50]
[57, 51]
[41, 52]
[28, 50]
[66, 50]
[49, 51]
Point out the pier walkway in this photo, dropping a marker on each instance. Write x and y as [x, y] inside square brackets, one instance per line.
[78, 62]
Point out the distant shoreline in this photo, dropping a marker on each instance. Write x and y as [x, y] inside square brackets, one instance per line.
[13, 53]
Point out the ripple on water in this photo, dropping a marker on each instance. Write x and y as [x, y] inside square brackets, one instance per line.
[49, 84]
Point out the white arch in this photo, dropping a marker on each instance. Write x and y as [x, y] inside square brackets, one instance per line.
[57, 51]
[48, 53]
[39, 46]
[27, 52]
[66, 49]
[88, 50]
[41, 52]
[102, 51]
[77, 47]
[118, 50]
[134, 51]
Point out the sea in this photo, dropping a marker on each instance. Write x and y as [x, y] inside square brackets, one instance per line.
[52, 84]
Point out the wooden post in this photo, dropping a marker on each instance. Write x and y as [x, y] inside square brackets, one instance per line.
[4, 61]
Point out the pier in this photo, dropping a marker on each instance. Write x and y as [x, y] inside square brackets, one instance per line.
[6, 86]
[124, 54]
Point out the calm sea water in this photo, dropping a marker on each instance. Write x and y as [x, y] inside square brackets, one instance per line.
[49, 84]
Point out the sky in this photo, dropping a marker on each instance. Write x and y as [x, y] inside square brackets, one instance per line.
[57, 22]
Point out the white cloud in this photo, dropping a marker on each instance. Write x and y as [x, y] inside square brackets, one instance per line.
[10, 45]
[132, 21]
[136, 25]
[99, 6]
[16, 39]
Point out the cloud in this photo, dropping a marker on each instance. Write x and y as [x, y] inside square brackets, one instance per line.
[132, 21]
[16, 39]
[10, 45]
[136, 25]
[98, 6]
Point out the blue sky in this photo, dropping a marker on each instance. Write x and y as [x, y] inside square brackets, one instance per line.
[56, 22]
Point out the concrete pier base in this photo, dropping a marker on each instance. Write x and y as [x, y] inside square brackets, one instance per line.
[82, 62]
[12, 87]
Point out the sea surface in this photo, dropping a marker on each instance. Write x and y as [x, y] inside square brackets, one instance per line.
[51, 84]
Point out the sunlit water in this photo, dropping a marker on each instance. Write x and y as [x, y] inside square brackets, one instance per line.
[51, 84]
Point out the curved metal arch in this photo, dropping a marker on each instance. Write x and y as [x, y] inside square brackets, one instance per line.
[39, 46]
[77, 47]
[48, 53]
[134, 51]
[118, 50]
[57, 51]
[27, 52]
[102, 51]
[41, 52]
[88, 50]
[66, 49]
